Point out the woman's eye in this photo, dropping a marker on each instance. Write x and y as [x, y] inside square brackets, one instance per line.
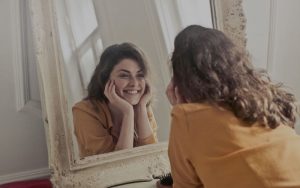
[124, 76]
[141, 76]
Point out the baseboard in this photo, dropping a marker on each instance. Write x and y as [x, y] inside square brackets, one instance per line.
[25, 175]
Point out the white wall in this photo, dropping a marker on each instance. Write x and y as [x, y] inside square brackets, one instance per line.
[286, 65]
[22, 140]
[273, 32]
[257, 29]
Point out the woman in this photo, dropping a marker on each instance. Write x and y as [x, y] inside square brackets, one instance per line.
[116, 114]
[231, 126]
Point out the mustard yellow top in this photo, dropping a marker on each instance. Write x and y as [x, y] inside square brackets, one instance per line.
[94, 129]
[209, 147]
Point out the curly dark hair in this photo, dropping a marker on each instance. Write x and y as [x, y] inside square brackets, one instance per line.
[209, 68]
[110, 57]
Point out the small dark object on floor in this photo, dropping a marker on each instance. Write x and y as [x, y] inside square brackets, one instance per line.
[165, 180]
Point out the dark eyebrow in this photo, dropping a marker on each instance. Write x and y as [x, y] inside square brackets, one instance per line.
[124, 70]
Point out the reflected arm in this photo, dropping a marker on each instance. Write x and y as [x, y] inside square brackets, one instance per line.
[125, 140]
[146, 125]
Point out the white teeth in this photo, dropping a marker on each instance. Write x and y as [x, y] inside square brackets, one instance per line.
[132, 92]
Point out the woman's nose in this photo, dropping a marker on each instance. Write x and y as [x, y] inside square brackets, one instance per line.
[134, 82]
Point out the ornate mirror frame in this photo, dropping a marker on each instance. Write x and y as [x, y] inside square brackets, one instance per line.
[111, 168]
[228, 16]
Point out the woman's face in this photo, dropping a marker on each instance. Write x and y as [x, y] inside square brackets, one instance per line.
[129, 80]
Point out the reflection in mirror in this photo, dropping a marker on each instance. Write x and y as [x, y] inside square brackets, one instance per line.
[86, 29]
[116, 114]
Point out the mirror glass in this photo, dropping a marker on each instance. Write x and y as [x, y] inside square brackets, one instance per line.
[87, 27]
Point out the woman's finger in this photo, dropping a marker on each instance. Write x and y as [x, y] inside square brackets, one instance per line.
[113, 91]
[114, 94]
[110, 89]
[106, 89]
[110, 95]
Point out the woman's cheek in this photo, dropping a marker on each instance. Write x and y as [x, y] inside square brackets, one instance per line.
[119, 86]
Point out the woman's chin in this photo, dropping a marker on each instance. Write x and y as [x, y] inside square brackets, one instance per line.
[133, 102]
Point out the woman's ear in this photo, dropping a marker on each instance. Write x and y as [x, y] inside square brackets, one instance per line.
[180, 99]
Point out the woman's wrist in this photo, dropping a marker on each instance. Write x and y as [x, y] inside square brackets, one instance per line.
[128, 112]
[141, 105]
[140, 108]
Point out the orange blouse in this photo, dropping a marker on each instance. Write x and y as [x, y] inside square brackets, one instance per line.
[209, 147]
[94, 129]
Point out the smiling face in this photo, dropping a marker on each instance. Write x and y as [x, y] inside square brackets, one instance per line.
[129, 80]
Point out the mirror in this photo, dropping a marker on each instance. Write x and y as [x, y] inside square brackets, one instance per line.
[82, 47]
[86, 28]
[68, 43]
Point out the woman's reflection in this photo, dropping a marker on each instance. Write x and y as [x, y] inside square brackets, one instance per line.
[116, 113]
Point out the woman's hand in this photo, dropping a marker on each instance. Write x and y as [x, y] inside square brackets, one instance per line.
[146, 97]
[124, 127]
[115, 100]
[173, 94]
[144, 129]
